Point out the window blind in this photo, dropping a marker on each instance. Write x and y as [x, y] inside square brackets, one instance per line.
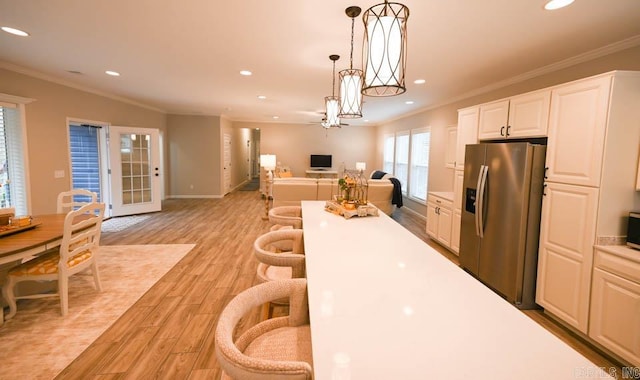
[14, 189]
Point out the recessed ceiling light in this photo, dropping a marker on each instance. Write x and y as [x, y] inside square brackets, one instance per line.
[409, 102]
[557, 4]
[419, 81]
[246, 73]
[276, 117]
[262, 97]
[15, 31]
[112, 73]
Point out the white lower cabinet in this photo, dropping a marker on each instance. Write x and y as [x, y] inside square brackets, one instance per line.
[455, 232]
[439, 218]
[615, 302]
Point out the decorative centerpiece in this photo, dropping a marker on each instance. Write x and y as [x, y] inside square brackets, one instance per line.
[351, 199]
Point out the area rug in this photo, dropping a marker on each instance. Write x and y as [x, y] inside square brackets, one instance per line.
[38, 342]
[119, 223]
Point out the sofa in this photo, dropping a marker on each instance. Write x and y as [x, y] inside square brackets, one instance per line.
[290, 191]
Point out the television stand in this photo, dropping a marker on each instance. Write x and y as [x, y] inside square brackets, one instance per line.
[320, 173]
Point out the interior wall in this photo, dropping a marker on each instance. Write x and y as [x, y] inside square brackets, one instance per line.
[293, 143]
[46, 120]
[194, 156]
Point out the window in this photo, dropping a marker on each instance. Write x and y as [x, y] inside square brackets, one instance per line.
[420, 142]
[13, 179]
[406, 156]
[401, 167]
[389, 144]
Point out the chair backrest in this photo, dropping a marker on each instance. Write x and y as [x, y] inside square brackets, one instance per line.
[286, 216]
[73, 199]
[294, 258]
[231, 355]
[82, 231]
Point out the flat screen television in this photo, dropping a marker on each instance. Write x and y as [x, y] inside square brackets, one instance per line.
[320, 161]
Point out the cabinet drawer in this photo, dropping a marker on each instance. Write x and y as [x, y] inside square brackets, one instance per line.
[440, 202]
[618, 264]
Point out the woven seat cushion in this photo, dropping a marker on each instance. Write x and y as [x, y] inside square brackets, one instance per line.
[47, 264]
[285, 343]
[274, 273]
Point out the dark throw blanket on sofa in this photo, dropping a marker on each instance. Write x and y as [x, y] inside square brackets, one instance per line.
[396, 197]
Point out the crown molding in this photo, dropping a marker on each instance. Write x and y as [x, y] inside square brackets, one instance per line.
[563, 64]
[66, 83]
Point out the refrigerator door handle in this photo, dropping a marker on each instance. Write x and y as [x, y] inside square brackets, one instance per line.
[480, 200]
[475, 215]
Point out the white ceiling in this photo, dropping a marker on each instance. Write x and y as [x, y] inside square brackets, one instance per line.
[185, 56]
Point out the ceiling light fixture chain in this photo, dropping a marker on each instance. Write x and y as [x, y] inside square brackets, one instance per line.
[351, 79]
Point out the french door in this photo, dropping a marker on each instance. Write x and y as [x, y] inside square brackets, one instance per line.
[134, 158]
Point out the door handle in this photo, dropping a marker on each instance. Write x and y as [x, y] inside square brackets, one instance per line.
[544, 189]
[502, 131]
[508, 128]
[477, 199]
[546, 169]
[480, 206]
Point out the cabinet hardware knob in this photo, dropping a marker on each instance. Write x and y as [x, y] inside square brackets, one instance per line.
[508, 128]
[544, 190]
[502, 131]
[546, 169]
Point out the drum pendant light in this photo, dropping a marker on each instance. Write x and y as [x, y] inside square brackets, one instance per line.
[332, 102]
[351, 79]
[385, 49]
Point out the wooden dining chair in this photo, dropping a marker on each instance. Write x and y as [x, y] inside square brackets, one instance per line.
[77, 253]
[74, 199]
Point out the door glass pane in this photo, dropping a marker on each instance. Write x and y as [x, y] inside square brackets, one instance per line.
[135, 156]
[85, 159]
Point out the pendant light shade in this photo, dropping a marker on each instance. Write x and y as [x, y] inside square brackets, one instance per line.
[351, 79]
[385, 49]
[332, 103]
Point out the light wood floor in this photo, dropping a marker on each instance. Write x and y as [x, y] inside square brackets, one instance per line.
[169, 332]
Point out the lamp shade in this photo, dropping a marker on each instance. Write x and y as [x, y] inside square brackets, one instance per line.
[361, 166]
[268, 161]
[332, 109]
[350, 93]
[385, 49]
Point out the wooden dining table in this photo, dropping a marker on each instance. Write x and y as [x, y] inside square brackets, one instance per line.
[46, 234]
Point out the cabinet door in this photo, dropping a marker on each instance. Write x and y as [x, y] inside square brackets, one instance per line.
[493, 120]
[444, 226]
[467, 133]
[529, 115]
[457, 190]
[432, 220]
[452, 141]
[455, 231]
[577, 123]
[567, 234]
[615, 315]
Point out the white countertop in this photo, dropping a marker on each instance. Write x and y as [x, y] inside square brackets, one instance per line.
[448, 195]
[385, 305]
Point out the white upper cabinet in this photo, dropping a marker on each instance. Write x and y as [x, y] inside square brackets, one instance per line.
[452, 141]
[577, 124]
[467, 133]
[493, 120]
[521, 116]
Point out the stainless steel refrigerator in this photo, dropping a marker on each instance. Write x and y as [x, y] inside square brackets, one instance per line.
[502, 197]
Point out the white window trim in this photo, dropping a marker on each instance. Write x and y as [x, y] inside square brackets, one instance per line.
[19, 102]
[413, 132]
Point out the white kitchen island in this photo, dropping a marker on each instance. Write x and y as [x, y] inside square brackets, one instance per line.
[385, 305]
